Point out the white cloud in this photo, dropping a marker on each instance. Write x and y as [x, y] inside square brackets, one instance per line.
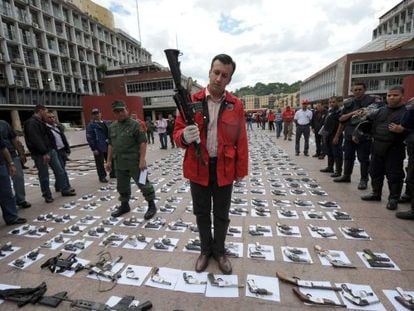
[272, 41]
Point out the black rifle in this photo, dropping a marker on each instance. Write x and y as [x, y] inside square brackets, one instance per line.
[23, 296]
[182, 96]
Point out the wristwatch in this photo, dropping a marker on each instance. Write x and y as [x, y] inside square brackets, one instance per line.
[11, 163]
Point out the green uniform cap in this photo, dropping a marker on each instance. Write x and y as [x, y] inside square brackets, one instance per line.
[118, 105]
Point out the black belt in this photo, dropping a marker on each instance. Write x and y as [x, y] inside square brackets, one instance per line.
[304, 124]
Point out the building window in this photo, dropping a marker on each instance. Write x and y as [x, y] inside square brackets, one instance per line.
[366, 68]
[150, 86]
[390, 82]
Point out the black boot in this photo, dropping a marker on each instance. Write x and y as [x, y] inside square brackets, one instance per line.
[338, 167]
[409, 215]
[346, 177]
[395, 192]
[375, 195]
[329, 168]
[363, 183]
[151, 211]
[124, 208]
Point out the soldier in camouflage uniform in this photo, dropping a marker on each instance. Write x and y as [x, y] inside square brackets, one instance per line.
[127, 145]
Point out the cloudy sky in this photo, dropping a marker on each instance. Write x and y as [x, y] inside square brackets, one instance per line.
[271, 41]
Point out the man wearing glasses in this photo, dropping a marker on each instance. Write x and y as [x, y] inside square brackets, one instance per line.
[352, 108]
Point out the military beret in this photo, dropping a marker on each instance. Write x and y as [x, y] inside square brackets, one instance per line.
[118, 105]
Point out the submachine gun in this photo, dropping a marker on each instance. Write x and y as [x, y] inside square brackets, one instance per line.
[182, 97]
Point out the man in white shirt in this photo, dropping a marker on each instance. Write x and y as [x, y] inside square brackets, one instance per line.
[161, 125]
[303, 118]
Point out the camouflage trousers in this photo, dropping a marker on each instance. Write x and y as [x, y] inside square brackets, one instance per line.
[123, 178]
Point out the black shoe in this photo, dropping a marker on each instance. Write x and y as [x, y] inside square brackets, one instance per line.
[343, 178]
[285, 138]
[24, 204]
[306, 154]
[363, 184]
[103, 180]
[371, 197]
[112, 176]
[408, 215]
[327, 170]
[404, 199]
[68, 193]
[151, 211]
[315, 155]
[297, 153]
[18, 221]
[335, 175]
[289, 139]
[123, 209]
[392, 204]
[49, 199]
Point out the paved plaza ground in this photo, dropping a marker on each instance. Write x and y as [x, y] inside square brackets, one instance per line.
[389, 235]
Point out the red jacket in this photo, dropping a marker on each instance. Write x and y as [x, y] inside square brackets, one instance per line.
[271, 117]
[232, 149]
[288, 115]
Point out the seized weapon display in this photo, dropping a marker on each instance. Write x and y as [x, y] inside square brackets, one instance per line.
[288, 213]
[257, 252]
[233, 230]
[305, 284]
[193, 245]
[332, 257]
[219, 282]
[156, 278]
[8, 247]
[254, 289]
[296, 255]
[164, 243]
[23, 296]
[57, 264]
[286, 230]
[130, 274]
[331, 204]
[360, 298]
[182, 97]
[191, 280]
[317, 301]
[404, 299]
[356, 233]
[321, 231]
[377, 261]
[155, 223]
[339, 215]
[237, 211]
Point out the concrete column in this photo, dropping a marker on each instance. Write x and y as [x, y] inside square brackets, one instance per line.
[153, 115]
[16, 123]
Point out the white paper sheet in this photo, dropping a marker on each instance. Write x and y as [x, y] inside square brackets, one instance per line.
[390, 294]
[140, 271]
[358, 287]
[170, 275]
[361, 256]
[223, 292]
[341, 256]
[295, 230]
[182, 286]
[268, 252]
[328, 230]
[305, 255]
[269, 283]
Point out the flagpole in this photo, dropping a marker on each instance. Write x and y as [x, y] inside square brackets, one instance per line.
[139, 27]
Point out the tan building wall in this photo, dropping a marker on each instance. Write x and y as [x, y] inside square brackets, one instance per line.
[102, 14]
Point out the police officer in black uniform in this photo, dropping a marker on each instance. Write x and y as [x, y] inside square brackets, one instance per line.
[352, 108]
[333, 142]
[388, 149]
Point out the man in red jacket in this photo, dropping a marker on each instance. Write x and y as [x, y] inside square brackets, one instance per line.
[220, 130]
[287, 116]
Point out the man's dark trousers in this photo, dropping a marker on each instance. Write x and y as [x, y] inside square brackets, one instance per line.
[305, 130]
[221, 196]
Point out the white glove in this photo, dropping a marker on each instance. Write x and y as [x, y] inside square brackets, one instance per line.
[191, 134]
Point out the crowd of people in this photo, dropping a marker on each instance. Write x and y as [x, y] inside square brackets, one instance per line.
[378, 133]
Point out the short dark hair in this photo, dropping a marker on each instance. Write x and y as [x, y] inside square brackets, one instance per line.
[39, 107]
[363, 84]
[225, 59]
[397, 88]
